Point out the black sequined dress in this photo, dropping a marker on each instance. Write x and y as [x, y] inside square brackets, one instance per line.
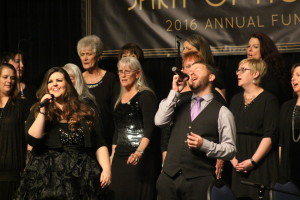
[63, 164]
[133, 121]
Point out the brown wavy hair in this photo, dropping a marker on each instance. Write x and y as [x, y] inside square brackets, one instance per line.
[133, 49]
[74, 111]
[271, 55]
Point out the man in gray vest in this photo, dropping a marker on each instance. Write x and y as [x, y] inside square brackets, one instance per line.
[203, 130]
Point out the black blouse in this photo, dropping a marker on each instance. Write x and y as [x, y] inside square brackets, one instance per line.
[56, 135]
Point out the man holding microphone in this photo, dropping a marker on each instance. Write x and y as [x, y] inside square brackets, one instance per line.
[203, 130]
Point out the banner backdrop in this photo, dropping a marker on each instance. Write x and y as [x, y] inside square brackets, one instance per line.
[159, 25]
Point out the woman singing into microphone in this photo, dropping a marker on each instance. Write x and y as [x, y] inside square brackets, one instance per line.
[68, 145]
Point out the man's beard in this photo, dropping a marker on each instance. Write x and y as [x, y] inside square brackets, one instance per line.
[200, 85]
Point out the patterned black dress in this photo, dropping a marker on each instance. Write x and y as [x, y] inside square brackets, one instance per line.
[63, 164]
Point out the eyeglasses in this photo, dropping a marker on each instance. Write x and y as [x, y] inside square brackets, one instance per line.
[242, 70]
[126, 72]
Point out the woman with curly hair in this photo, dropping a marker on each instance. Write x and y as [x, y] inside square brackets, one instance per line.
[260, 46]
[68, 145]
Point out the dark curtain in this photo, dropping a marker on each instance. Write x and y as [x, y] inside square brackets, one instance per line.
[47, 32]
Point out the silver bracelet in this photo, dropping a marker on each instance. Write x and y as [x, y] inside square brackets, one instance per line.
[140, 151]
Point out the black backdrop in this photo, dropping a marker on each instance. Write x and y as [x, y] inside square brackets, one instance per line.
[48, 30]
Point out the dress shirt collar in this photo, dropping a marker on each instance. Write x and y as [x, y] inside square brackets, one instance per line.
[207, 97]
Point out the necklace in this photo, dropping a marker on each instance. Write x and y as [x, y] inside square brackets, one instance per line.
[248, 101]
[293, 124]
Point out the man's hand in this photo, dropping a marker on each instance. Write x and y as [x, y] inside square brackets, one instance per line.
[178, 84]
[194, 141]
[219, 168]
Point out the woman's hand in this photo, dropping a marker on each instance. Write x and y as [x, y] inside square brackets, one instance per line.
[244, 166]
[134, 159]
[234, 162]
[45, 97]
[105, 178]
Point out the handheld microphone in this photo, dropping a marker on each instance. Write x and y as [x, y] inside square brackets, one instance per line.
[46, 102]
[180, 73]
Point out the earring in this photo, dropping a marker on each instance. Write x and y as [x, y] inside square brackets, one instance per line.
[139, 82]
[254, 81]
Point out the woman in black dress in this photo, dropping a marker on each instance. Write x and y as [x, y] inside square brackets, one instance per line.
[13, 113]
[135, 153]
[256, 114]
[68, 145]
[101, 83]
[290, 132]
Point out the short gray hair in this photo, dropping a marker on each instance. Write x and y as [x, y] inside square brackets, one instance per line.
[93, 42]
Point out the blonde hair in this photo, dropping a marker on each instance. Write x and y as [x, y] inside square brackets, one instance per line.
[140, 84]
[256, 65]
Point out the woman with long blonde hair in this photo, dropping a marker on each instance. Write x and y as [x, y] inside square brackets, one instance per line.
[134, 153]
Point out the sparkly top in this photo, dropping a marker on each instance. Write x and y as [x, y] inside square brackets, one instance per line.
[129, 123]
[68, 137]
[133, 121]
